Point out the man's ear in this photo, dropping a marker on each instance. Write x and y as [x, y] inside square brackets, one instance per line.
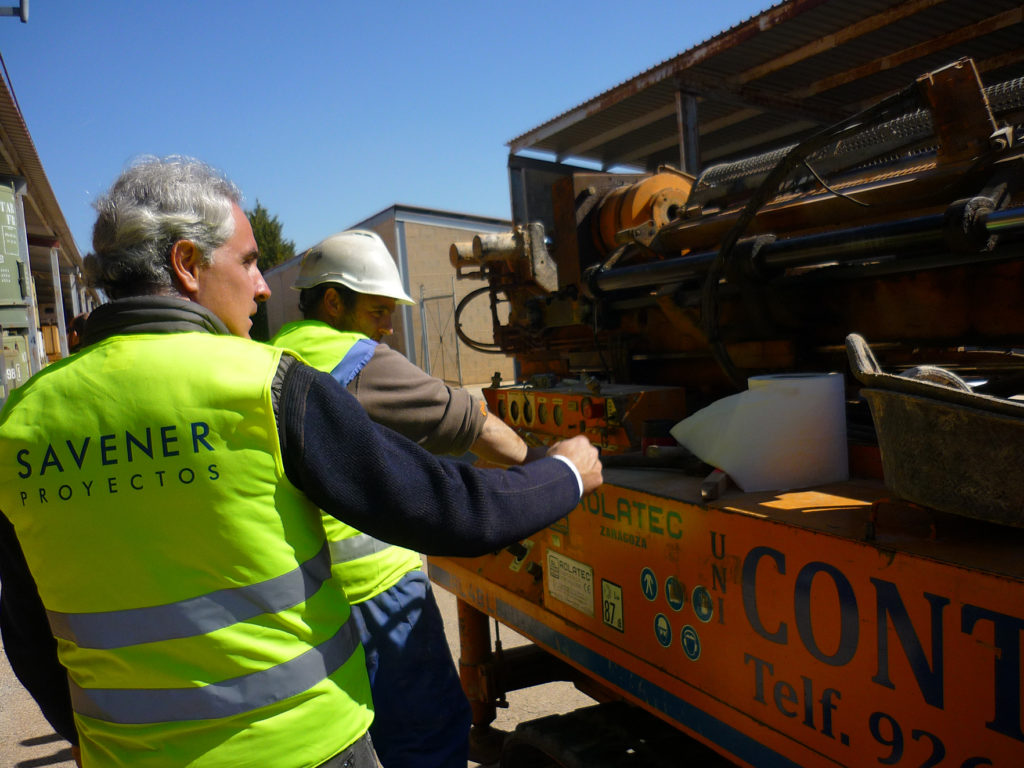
[333, 307]
[185, 262]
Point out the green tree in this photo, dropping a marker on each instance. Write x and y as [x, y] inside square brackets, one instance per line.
[274, 250]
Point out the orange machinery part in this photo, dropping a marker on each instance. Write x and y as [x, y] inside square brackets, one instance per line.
[657, 199]
[612, 417]
[831, 627]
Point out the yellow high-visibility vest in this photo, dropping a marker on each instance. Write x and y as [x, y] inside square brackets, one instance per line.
[186, 579]
[363, 566]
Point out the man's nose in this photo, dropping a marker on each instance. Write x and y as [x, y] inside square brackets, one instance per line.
[262, 289]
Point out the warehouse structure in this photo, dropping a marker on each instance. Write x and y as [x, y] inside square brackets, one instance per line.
[41, 285]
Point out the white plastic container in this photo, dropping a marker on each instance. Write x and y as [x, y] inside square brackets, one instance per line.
[786, 431]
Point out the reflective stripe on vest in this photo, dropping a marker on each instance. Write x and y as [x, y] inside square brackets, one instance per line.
[196, 616]
[355, 547]
[224, 699]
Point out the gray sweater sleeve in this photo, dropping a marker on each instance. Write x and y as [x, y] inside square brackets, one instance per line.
[402, 397]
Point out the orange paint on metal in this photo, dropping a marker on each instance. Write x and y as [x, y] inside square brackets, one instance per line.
[612, 418]
[774, 616]
[474, 662]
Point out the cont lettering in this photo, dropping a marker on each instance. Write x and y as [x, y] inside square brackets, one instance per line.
[764, 574]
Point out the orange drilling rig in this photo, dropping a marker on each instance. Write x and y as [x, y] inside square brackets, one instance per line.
[875, 617]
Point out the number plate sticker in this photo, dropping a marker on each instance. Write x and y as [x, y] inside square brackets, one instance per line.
[611, 604]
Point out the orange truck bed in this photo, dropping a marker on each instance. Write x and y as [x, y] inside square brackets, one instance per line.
[831, 627]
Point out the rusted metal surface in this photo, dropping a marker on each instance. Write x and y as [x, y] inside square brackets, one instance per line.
[667, 70]
[830, 41]
[891, 60]
[943, 446]
[813, 61]
[474, 663]
[960, 113]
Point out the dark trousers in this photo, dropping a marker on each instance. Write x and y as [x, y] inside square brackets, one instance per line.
[359, 755]
[421, 716]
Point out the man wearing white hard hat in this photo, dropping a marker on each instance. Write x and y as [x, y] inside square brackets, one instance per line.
[349, 287]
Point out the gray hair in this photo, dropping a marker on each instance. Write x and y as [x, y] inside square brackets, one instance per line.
[153, 204]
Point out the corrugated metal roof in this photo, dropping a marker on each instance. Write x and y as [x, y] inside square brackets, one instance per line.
[770, 80]
[19, 158]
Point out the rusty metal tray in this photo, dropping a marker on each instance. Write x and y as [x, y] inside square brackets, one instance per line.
[942, 446]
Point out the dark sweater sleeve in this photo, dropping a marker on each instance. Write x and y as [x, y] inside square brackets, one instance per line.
[28, 642]
[387, 486]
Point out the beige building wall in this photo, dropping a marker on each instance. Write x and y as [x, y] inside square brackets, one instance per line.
[283, 306]
[419, 239]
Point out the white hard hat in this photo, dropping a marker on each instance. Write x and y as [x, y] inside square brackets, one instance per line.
[356, 258]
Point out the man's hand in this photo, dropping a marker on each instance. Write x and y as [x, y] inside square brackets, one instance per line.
[580, 452]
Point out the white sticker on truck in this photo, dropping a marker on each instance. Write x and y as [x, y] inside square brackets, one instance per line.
[611, 604]
[571, 582]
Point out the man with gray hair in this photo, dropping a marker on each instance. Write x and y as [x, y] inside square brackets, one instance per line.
[161, 494]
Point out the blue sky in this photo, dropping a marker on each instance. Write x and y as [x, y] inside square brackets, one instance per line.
[325, 111]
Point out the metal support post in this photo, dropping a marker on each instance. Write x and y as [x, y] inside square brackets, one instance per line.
[689, 138]
[424, 341]
[58, 301]
[458, 357]
[477, 675]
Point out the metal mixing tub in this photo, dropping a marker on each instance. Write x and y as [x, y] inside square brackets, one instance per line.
[944, 447]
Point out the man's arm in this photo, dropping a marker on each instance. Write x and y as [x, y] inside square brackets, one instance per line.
[402, 396]
[385, 485]
[27, 639]
[498, 443]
